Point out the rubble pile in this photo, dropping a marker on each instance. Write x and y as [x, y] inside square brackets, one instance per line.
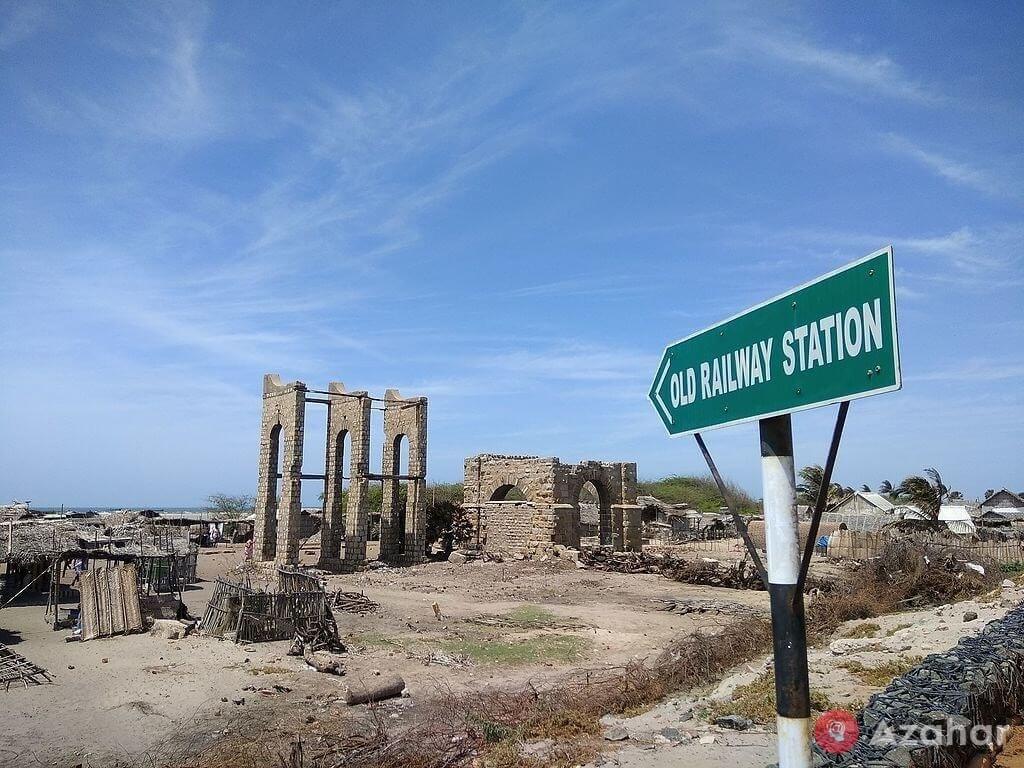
[716, 607]
[923, 717]
[707, 571]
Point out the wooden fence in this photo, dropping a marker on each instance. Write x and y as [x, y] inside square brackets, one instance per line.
[861, 545]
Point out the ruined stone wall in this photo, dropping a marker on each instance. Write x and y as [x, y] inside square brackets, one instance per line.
[553, 490]
[512, 526]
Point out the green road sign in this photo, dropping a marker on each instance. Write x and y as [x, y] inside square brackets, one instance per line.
[830, 340]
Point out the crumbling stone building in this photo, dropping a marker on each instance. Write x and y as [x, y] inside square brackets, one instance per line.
[345, 530]
[548, 512]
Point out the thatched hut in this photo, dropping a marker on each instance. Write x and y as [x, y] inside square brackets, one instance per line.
[34, 549]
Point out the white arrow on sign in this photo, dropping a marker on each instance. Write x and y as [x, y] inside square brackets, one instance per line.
[657, 389]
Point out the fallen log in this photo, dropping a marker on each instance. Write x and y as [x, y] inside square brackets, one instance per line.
[323, 664]
[376, 689]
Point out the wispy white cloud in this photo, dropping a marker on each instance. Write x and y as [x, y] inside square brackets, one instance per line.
[20, 21]
[610, 286]
[973, 370]
[955, 171]
[868, 73]
[157, 87]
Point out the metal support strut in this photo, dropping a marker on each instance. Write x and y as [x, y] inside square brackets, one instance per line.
[740, 524]
[822, 500]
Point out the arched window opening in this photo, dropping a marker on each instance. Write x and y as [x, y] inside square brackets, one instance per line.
[508, 493]
[401, 497]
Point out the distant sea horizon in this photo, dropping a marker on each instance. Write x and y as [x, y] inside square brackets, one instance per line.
[86, 508]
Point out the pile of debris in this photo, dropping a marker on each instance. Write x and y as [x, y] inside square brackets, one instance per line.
[716, 607]
[353, 602]
[15, 668]
[706, 572]
[979, 682]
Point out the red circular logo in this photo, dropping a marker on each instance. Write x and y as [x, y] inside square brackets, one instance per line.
[836, 731]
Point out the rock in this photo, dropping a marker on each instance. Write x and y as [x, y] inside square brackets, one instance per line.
[607, 721]
[169, 629]
[536, 749]
[970, 615]
[900, 756]
[457, 557]
[616, 733]
[734, 722]
[707, 738]
[238, 702]
[1007, 602]
[672, 735]
[1007, 584]
[843, 647]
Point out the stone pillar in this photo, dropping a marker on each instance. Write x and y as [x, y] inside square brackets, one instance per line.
[348, 414]
[617, 527]
[277, 525]
[416, 500]
[632, 527]
[403, 529]
[567, 525]
[289, 513]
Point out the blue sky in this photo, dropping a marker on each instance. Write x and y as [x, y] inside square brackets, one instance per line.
[507, 208]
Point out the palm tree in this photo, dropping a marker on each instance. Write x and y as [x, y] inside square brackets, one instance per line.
[926, 493]
[866, 488]
[885, 488]
[811, 478]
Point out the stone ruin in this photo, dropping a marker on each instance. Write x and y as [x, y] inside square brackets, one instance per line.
[549, 512]
[345, 528]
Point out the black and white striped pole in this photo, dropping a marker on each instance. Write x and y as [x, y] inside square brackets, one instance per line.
[792, 690]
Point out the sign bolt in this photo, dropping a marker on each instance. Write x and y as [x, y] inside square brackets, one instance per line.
[871, 272]
[798, 390]
[878, 369]
[794, 305]
[870, 372]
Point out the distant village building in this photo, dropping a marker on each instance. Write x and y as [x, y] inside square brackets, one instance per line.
[957, 518]
[861, 511]
[1002, 508]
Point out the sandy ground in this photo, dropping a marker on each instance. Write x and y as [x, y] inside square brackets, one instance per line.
[135, 697]
[121, 696]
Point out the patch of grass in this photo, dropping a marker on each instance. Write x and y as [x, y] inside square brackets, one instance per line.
[528, 617]
[756, 700]
[897, 628]
[373, 640]
[1012, 568]
[882, 674]
[867, 629]
[553, 647]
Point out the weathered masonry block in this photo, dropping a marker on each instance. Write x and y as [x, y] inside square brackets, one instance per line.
[345, 513]
[549, 511]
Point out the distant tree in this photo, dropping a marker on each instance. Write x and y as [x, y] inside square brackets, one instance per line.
[866, 488]
[230, 506]
[448, 523]
[989, 492]
[809, 486]
[885, 488]
[956, 496]
[924, 492]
